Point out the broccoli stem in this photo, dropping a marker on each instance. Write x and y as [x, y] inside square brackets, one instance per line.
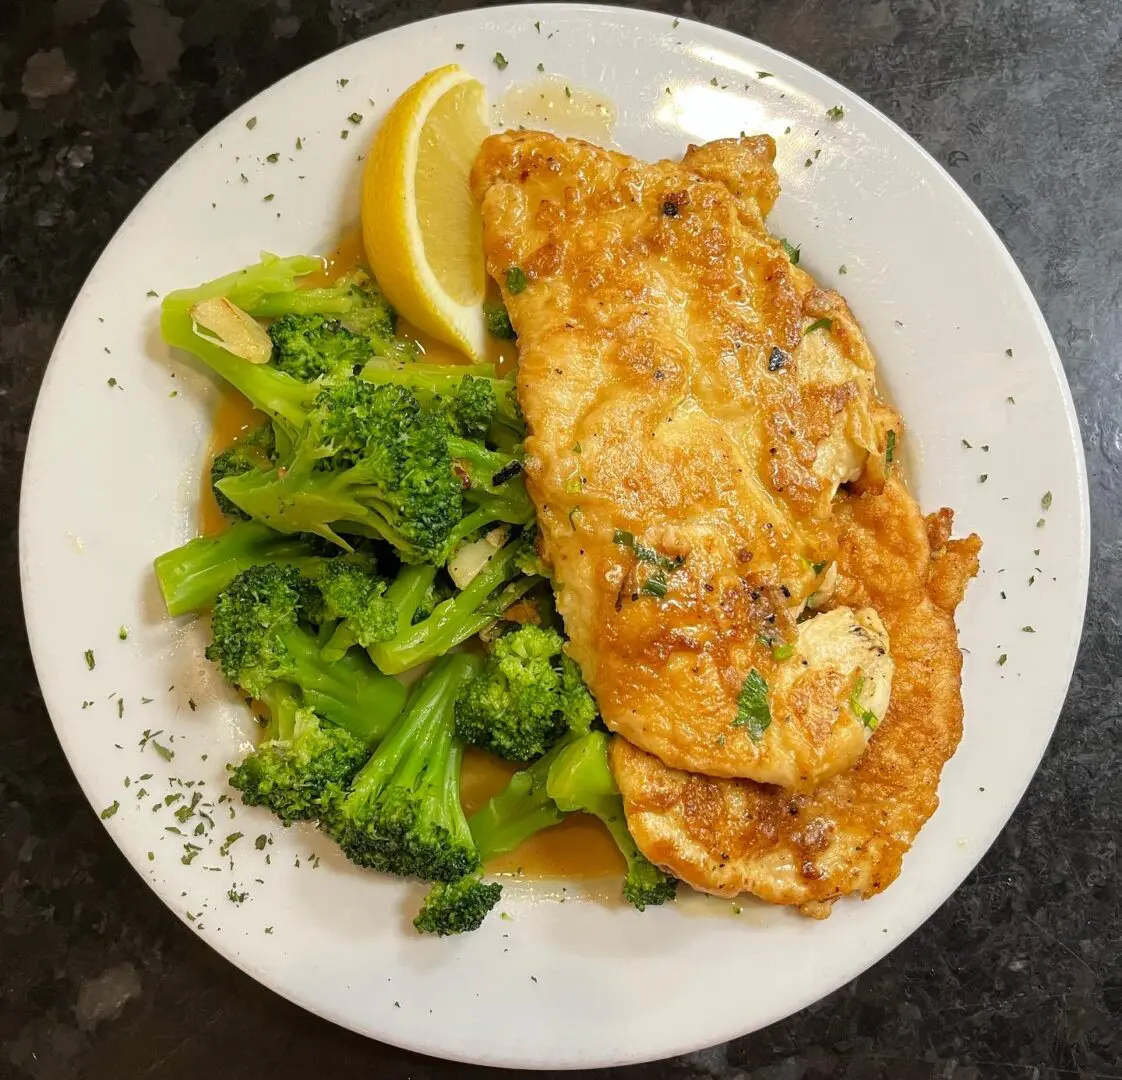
[458, 618]
[282, 703]
[347, 691]
[302, 302]
[581, 779]
[284, 399]
[192, 575]
[247, 288]
[516, 813]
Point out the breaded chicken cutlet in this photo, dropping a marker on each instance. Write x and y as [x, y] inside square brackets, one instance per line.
[694, 402]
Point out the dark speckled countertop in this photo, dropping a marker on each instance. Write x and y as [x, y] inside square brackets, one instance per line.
[1018, 977]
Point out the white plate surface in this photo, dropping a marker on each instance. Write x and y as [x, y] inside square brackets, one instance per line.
[112, 478]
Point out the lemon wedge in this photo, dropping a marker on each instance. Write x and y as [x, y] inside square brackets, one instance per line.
[421, 226]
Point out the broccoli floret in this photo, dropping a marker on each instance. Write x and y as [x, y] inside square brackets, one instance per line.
[476, 607]
[446, 382]
[191, 576]
[524, 807]
[300, 755]
[473, 407]
[580, 779]
[513, 707]
[370, 314]
[498, 322]
[577, 705]
[369, 459]
[258, 641]
[353, 596]
[254, 450]
[457, 907]
[402, 812]
[311, 347]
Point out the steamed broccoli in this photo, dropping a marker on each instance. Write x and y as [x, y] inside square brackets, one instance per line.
[524, 807]
[401, 813]
[494, 490]
[258, 641]
[254, 450]
[580, 779]
[513, 708]
[311, 347]
[449, 382]
[353, 596]
[477, 606]
[300, 755]
[369, 459]
[456, 907]
[516, 813]
[498, 322]
[192, 575]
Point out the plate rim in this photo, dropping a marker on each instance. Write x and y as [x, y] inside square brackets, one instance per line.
[921, 913]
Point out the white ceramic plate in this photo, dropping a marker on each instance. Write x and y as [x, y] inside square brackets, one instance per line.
[112, 477]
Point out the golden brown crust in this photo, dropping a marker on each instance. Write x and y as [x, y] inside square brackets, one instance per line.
[671, 392]
[850, 834]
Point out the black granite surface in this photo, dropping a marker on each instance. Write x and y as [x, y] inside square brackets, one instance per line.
[1018, 977]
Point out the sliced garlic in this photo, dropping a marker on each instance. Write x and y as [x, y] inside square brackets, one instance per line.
[232, 329]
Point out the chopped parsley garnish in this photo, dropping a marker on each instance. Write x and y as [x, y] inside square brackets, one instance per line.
[251, 123]
[655, 585]
[231, 840]
[752, 711]
[355, 118]
[90, 662]
[459, 44]
[1008, 352]
[568, 92]
[260, 842]
[110, 810]
[836, 112]
[151, 292]
[792, 252]
[1002, 659]
[983, 478]
[501, 62]
[866, 716]
[541, 66]
[764, 75]
[818, 324]
[299, 143]
[1046, 501]
[111, 381]
[344, 134]
[272, 159]
[890, 448]
[1028, 630]
[646, 554]
[269, 198]
[516, 280]
[343, 82]
[123, 633]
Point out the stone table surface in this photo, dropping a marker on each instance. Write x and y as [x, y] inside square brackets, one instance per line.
[1017, 977]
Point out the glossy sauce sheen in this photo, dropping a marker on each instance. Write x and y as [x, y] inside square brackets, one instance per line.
[580, 847]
